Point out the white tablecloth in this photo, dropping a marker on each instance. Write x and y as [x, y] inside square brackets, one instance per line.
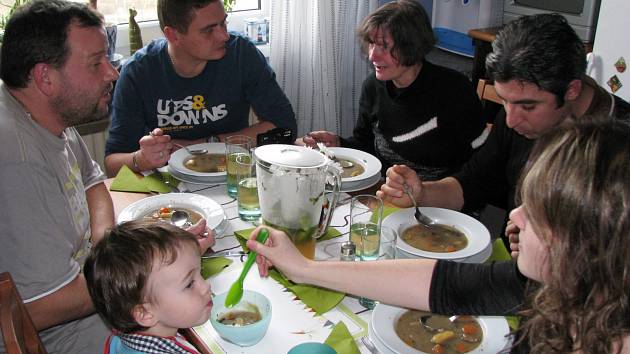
[325, 250]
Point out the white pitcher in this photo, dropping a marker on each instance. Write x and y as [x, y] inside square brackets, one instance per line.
[292, 192]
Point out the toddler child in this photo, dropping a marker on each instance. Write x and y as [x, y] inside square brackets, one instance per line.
[145, 281]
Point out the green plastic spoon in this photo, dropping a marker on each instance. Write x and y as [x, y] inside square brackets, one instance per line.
[236, 290]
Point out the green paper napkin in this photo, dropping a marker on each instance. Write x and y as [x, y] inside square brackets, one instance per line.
[321, 300]
[388, 210]
[155, 184]
[212, 266]
[127, 181]
[341, 340]
[243, 236]
[499, 252]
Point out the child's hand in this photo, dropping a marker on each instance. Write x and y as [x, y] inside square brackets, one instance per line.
[205, 236]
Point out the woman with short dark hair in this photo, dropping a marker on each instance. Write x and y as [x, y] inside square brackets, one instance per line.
[412, 111]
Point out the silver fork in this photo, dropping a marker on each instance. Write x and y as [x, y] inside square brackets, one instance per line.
[420, 218]
[369, 345]
[165, 181]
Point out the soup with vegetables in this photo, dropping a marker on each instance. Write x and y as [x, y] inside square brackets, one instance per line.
[207, 163]
[241, 317]
[438, 238]
[164, 214]
[353, 168]
[448, 336]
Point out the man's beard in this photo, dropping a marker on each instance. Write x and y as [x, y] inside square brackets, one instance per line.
[74, 111]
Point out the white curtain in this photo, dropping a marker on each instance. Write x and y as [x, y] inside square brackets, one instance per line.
[318, 61]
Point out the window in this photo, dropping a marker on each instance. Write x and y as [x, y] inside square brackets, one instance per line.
[117, 11]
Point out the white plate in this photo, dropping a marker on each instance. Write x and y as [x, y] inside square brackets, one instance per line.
[384, 318]
[480, 257]
[477, 234]
[357, 186]
[380, 346]
[208, 208]
[220, 179]
[370, 163]
[176, 162]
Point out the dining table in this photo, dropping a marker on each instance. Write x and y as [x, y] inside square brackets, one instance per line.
[349, 310]
[300, 323]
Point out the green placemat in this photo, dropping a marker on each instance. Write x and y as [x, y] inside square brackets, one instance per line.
[127, 181]
[499, 252]
[321, 300]
[212, 266]
[155, 184]
[243, 236]
[341, 340]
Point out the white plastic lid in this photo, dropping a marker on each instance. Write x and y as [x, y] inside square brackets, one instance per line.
[290, 156]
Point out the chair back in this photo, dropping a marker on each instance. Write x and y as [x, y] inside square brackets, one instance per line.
[18, 331]
[486, 92]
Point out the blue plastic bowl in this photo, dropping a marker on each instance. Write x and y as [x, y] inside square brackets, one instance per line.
[312, 348]
[247, 335]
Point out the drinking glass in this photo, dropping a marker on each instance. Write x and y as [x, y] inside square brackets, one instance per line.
[387, 250]
[235, 145]
[366, 212]
[248, 205]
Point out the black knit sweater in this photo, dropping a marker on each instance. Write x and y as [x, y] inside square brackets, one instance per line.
[429, 126]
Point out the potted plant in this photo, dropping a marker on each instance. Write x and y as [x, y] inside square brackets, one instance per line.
[228, 4]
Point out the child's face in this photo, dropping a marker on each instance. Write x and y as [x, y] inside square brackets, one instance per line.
[181, 297]
[532, 256]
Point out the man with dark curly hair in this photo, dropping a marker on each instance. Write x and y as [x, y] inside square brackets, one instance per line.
[538, 65]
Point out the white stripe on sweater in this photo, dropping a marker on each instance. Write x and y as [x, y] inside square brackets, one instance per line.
[481, 138]
[430, 125]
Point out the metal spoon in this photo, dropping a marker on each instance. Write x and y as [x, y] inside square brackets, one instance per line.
[424, 319]
[420, 218]
[343, 163]
[235, 294]
[180, 218]
[192, 151]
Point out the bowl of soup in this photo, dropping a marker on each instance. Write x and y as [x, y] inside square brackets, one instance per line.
[431, 333]
[456, 237]
[245, 323]
[164, 213]
[206, 163]
[401, 330]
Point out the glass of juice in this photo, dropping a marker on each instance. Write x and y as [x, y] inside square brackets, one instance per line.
[366, 212]
[235, 146]
[248, 205]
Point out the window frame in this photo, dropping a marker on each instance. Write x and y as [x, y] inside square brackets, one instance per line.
[151, 29]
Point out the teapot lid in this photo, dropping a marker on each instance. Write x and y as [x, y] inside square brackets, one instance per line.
[290, 155]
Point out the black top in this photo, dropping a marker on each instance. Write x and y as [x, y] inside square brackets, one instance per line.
[430, 125]
[495, 289]
[492, 173]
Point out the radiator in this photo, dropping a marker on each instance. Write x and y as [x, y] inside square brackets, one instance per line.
[96, 145]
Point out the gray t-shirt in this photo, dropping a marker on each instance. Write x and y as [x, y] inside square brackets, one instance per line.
[45, 223]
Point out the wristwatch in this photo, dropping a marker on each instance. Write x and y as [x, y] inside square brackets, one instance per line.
[213, 139]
